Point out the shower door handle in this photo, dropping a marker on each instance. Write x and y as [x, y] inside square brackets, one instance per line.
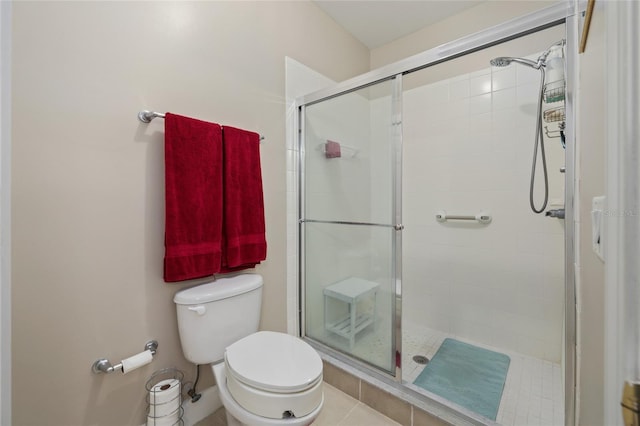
[397, 227]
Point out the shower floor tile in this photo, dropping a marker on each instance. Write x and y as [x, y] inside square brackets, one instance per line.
[533, 393]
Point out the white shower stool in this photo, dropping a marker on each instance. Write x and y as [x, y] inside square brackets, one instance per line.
[351, 291]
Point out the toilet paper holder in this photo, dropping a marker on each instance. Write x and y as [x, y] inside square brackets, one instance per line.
[104, 366]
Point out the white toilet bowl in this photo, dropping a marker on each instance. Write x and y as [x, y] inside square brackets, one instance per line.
[237, 415]
[272, 379]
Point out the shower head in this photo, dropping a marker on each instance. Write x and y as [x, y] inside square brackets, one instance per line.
[503, 61]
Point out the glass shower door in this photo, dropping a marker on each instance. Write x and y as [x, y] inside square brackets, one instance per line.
[347, 224]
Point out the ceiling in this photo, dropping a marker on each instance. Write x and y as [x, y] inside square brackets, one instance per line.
[377, 22]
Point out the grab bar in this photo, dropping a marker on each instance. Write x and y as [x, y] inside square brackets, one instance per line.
[482, 217]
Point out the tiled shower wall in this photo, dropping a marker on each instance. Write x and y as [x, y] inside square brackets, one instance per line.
[468, 145]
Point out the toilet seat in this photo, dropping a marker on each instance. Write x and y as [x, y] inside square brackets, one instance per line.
[274, 362]
[274, 375]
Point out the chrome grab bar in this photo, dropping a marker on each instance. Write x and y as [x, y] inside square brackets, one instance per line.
[482, 217]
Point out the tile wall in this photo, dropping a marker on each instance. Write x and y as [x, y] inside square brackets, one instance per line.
[468, 145]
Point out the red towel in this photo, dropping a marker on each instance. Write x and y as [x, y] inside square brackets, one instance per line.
[193, 169]
[245, 244]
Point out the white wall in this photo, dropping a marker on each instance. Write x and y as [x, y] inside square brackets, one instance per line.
[88, 181]
[590, 136]
[622, 96]
[486, 14]
[468, 144]
[5, 213]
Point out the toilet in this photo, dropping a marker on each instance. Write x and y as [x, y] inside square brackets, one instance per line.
[263, 377]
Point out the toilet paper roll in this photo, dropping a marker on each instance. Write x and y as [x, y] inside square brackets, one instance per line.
[164, 398]
[164, 421]
[136, 361]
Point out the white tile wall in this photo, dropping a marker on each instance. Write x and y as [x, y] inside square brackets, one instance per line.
[480, 82]
[501, 284]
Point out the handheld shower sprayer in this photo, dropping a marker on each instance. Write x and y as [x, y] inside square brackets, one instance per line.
[538, 64]
[503, 61]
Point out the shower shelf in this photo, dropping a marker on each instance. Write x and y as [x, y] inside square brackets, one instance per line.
[554, 91]
[554, 114]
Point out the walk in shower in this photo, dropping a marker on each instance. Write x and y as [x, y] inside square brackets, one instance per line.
[420, 257]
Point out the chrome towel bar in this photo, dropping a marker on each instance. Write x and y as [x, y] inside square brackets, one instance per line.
[482, 217]
[146, 116]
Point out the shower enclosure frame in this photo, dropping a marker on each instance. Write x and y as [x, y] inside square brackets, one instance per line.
[562, 13]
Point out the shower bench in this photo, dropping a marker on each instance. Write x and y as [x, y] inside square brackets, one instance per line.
[351, 291]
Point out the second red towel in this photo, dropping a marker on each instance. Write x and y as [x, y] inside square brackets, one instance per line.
[244, 228]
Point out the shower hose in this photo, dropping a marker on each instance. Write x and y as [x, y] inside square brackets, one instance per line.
[539, 142]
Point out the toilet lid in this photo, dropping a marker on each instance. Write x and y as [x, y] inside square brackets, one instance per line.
[274, 362]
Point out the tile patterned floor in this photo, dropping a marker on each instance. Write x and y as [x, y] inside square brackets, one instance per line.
[533, 393]
[339, 410]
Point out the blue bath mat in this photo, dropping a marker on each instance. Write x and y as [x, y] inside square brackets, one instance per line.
[467, 375]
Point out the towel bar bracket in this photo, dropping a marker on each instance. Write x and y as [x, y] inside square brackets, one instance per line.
[146, 116]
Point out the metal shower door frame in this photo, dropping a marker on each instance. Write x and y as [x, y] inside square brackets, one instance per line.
[560, 13]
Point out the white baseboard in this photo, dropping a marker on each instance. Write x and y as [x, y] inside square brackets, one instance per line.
[208, 404]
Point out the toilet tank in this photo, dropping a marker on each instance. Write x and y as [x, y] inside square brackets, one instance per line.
[214, 315]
